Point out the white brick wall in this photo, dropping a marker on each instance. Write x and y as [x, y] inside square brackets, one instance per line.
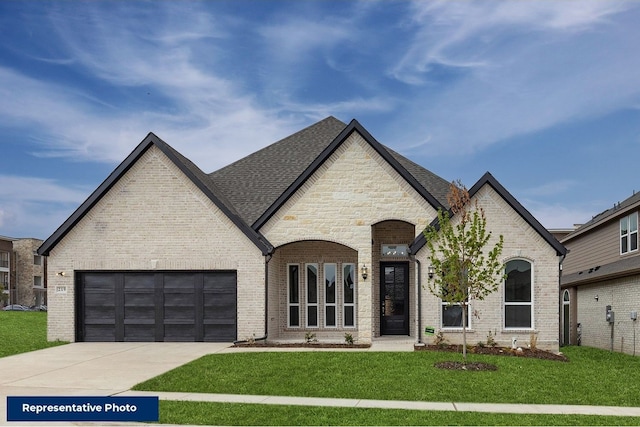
[622, 295]
[521, 241]
[155, 218]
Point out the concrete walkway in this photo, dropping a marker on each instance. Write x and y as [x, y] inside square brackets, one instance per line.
[505, 408]
[112, 369]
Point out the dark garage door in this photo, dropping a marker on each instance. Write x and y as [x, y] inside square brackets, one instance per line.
[156, 306]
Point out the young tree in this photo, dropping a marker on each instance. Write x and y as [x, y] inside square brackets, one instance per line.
[463, 268]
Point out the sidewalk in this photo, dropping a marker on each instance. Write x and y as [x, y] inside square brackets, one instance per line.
[507, 408]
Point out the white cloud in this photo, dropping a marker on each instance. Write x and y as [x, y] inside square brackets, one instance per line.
[560, 215]
[551, 188]
[513, 68]
[33, 207]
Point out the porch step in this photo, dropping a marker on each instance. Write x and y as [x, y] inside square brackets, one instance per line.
[393, 343]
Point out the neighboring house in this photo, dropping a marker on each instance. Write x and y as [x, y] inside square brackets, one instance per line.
[318, 233]
[22, 272]
[601, 271]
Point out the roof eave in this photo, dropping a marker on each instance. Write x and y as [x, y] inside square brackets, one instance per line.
[487, 178]
[150, 140]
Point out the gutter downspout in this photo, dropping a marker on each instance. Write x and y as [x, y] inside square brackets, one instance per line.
[267, 258]
[419, 286]
[560, 302]
[419, 301]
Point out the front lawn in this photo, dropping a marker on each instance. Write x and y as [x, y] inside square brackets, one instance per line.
[592, 377]
[226, 414]
[23, 331]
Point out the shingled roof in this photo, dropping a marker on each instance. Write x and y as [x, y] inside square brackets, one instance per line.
[249, 190]
[255, 183]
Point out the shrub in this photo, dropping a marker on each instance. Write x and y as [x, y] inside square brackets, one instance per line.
[348, 338]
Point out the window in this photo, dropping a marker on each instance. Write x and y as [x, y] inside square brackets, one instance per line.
[37, 281]
[4, 259]
[452, 315]
[312, 295]
[330, 296]
[629, 233]
[37, 260]
[518, 302]
[348, 286]
[293, 301]
[395, 250]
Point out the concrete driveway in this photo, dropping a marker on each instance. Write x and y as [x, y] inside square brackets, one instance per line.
[92, 369]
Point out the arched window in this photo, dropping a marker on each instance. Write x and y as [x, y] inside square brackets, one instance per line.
[518, 295]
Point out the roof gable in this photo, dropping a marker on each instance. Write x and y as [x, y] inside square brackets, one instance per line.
[354, 126]
[255, 182]
[199, 178]
[488, 179]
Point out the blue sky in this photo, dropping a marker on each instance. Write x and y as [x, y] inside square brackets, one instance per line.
[543, 94]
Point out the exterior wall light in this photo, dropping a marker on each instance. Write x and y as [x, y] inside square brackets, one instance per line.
[364, 271]
[430, 272]
[60, 273]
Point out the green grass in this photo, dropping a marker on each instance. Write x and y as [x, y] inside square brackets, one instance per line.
[592, 377]
[205, 413]
[23, 331]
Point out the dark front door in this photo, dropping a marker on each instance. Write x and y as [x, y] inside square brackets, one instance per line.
[394, 298]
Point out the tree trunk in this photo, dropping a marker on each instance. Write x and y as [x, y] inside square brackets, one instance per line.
[464, 333]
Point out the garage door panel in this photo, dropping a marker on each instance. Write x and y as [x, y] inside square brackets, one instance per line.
[213, 333]
[158, 306]
[100, 333]
[181, 332]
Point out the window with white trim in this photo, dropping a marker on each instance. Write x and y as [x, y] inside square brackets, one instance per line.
[293, 295]
[349, 295]
[312, 295]
[330, 296]
[518, 295]
[629, 233]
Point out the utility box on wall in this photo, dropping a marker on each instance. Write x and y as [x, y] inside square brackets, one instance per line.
[609, 315]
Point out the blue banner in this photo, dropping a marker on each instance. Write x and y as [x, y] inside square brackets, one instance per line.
[82, 408]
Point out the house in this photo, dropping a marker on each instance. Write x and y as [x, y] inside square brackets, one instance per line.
[600, 287]
[23, 278]
[319, 233]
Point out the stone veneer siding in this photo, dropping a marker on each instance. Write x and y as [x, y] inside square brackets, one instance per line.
[521, 241]
[155, 218]
[353, 190]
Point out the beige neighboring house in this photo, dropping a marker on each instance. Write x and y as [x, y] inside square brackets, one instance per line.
[22, 272]
[600, 295]
[319, 233]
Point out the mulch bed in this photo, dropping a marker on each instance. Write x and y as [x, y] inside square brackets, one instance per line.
[496, 351]
[301, 345]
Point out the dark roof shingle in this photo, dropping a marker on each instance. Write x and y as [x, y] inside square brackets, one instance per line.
[253, 183]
